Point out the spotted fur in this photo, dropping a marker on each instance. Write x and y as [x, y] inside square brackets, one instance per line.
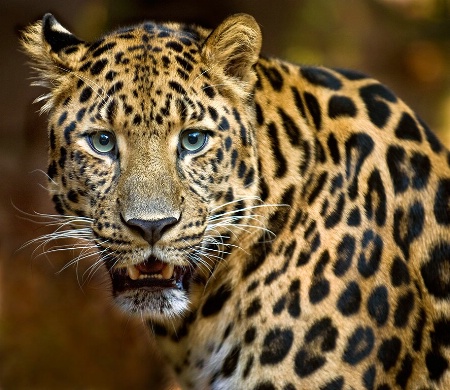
[306, 242]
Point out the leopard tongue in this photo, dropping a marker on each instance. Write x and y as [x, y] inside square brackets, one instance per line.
[152, 267]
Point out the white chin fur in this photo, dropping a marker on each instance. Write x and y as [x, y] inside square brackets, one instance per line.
[160, 305]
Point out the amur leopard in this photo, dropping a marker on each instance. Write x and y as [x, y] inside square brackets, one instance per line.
[278, 226]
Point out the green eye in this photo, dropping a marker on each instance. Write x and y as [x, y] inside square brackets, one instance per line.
[102, 141]
[193, 140]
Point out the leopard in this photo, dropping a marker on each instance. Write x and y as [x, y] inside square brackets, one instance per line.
[275, 225]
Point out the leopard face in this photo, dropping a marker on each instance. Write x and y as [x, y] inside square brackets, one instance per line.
[280, 226]
[143, 143]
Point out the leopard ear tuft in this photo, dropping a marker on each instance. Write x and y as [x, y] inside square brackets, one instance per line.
[56, 36]
[54, 53]
[234, 46]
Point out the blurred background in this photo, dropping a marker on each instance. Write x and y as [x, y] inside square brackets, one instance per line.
[58, 330]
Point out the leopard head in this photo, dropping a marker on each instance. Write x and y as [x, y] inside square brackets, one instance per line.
[152, 142]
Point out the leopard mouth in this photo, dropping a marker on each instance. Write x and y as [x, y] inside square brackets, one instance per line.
[151, 275]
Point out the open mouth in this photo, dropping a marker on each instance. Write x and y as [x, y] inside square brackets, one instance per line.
[150, 275]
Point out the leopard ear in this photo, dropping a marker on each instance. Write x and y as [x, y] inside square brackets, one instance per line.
[234, 46]
[54, 51]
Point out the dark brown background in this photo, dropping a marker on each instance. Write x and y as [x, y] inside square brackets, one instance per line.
[55, 334]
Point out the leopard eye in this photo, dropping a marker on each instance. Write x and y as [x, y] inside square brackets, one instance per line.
[193, 140]
[102, 141]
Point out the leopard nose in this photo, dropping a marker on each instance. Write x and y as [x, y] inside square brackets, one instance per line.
[152, 230]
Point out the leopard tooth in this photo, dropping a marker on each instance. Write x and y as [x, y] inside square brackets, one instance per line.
[133, 272]
[167, 271]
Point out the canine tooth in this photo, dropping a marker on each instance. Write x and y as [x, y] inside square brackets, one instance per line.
[167, 271]
[133, 272]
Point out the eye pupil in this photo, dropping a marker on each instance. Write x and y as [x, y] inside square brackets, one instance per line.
[193, 138]
[103, 139]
